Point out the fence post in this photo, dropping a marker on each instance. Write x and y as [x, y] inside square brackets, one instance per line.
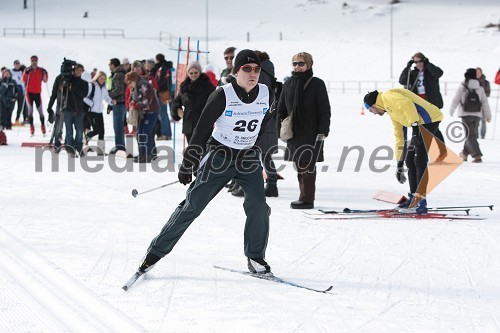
[104, 33]
[24, 32]
[281, 35]
[248, 37]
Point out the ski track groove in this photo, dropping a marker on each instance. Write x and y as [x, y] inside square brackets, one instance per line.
[305, 256]
[170, 298]
[106, 251]
[61, 296]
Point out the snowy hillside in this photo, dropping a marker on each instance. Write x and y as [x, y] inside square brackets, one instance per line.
[69, 240]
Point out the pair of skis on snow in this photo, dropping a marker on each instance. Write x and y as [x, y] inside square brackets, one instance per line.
[269, 277]
[441, 213]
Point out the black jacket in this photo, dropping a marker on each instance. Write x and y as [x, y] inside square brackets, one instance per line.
[316, 112]
[77, 91]
[192, 96]
[432, 74]
[8, 91]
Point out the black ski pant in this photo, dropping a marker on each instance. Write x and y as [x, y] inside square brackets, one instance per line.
[37, 99]
[97, 123]
[471, 145]
[215, 171]
[417, 158]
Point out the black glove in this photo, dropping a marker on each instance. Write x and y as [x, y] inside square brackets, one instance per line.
[185, 174]
[400, 174]
[110, 108]
[51, 115]
[411, 62]
[426, 61]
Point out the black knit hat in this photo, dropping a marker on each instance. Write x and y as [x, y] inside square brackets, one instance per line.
[370, 99]
[245, 57]
[470, 73]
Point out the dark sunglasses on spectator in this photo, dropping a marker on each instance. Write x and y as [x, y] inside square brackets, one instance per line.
[249, 69]
[194, 73]
[228, 57]
[298, 63]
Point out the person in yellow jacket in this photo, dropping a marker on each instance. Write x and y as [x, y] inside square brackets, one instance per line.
[406, 110]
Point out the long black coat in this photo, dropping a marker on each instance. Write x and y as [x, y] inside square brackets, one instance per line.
[192, 96]
[317, 109]
[432, 73]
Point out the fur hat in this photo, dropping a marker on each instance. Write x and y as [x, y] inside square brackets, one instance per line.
[194, 64]
[470, 73]
[245, 57]
[370, 99]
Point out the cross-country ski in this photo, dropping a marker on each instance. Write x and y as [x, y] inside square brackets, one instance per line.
[272, 278]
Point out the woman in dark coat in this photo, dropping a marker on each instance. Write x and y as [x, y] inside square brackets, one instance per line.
[193, 96]
[305, 98]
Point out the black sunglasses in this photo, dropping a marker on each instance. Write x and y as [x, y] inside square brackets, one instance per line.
[298, 63]
[249, 69]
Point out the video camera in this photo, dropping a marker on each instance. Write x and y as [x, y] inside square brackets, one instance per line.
[67, 68]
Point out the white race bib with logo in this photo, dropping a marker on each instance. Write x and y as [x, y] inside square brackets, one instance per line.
[420, 83]
[239, 125]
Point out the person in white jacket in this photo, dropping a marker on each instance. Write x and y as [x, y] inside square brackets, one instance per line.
[97, 96]
[471, 116]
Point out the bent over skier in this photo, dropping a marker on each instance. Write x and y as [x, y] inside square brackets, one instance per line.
[240, 111]
[406, 110]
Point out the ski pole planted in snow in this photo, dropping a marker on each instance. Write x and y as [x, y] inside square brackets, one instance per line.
[135, 193]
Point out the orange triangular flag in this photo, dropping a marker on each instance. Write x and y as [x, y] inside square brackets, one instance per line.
[442, 162]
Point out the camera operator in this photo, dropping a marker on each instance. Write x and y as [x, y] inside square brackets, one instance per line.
[69, 89]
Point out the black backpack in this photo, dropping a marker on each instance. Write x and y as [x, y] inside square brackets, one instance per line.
[472, 102]
[276, 86]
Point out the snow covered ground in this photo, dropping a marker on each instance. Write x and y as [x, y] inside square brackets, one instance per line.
[69, 240]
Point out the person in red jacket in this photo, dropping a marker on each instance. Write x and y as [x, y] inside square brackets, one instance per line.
[33, 77]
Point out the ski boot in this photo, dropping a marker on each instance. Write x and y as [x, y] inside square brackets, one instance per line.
[408, 201]
[148, 263]
[258, 266]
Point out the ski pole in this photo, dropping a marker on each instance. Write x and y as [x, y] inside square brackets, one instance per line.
[135, 193]
[464, 207]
